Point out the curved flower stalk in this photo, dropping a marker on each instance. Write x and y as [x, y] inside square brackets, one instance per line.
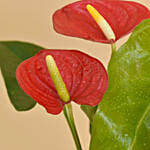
[122, 16]
[84, 77]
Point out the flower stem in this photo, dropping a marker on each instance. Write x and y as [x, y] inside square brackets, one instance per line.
[113, 47]
[68, 113]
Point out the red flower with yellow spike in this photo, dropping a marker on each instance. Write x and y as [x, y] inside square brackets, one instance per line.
[79, 78]
[102, 21]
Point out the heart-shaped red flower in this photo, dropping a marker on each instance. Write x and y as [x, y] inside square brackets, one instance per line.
[123, 16]
[84, 76]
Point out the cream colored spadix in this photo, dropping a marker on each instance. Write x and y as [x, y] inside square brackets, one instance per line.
[57, 79]
[105, 27]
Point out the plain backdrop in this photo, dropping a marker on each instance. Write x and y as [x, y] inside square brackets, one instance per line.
[30, 20]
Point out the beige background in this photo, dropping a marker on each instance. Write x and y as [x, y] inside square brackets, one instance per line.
[30, 20]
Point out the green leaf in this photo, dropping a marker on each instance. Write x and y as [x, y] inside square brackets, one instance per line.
[122, 120]
[89, 111]
[11, 55]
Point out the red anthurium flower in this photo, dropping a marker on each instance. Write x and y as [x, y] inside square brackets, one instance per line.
[122, 16]
[84, 76]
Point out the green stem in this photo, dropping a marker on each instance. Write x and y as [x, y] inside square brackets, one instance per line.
[70, 120]
[113, 47]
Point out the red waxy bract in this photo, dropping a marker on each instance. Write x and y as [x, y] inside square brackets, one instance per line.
[123, 16]
[84, 76]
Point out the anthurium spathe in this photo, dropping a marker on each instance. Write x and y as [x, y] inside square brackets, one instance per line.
[84, 76]
[76, 21]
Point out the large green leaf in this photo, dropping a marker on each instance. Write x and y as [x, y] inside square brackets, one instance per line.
[11, 55]
[122, 120]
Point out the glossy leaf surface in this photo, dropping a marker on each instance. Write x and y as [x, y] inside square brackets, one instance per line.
[11, 54]
[74, 20]
[122, 120]
[84, 76]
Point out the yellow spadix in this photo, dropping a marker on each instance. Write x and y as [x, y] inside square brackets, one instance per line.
[100, 20]
[57, 79]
